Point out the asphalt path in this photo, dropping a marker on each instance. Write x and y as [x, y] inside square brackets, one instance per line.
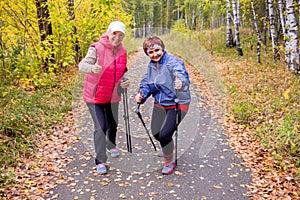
[207, 167]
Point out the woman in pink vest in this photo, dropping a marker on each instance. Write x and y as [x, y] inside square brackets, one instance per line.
[104, 66]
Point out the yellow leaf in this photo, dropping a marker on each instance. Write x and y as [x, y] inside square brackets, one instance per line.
[103, 183]
[217, 187]
[286, 94]
[118, 180]
[170, 184]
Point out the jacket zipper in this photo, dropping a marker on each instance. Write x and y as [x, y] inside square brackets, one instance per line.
[115, 76]
[158, 72]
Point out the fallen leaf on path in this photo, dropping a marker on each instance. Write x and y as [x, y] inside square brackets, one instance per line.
[217, 187]
[170, 184]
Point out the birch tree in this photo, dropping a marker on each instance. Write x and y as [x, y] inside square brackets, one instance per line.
[282, 18]
[229, 37]
[238, 12]
[272, 30]
[265, 25]
[292, 56]
[236, 30]
[257, 32]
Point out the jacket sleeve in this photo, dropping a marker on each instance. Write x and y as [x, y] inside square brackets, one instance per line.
[87, 63]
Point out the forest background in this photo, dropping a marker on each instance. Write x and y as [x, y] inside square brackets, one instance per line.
[254, 43]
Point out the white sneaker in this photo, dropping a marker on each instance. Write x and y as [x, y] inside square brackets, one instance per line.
[101, 168]
[114, 153]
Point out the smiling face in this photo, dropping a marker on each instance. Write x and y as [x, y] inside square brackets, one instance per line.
[115, 38]
[154, 48]
[155, 54]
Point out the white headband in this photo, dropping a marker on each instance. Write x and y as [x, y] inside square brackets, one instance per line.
[156, 46]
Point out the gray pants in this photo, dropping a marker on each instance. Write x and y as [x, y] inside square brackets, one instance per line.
[105, 118]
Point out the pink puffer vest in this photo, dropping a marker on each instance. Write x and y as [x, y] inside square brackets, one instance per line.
[102, 88]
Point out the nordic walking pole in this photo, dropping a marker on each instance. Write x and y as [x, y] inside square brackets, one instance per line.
[126, 118]
[177, 121]
[176, 127]
[147, 131]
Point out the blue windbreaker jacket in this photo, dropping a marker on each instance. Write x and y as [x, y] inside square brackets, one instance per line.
[159, 81]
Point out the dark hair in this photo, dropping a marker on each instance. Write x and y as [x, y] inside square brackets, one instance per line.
[151, 41]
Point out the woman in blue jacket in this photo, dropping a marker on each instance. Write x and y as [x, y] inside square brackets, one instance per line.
[166, 80]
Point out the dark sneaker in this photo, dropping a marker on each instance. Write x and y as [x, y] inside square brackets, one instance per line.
[114, 153]
[101, 168]
[168, 168]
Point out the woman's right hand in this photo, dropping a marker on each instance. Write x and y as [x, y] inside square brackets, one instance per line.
[139, 97]
[96, 69]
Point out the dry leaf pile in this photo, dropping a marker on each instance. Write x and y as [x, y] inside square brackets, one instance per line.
[33, 175]
[267, 182]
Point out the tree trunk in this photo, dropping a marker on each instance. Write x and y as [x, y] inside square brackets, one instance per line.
[171, 13]
[229, 37]
[164, 16]
[257, 32]
[156, 16]
[238, 12]
[273, 31]
[292, 33]
[282, 18]
[2, 47]
[45, 26]
[236, 30]
[188, 15]
[265, 29]
[75, 41]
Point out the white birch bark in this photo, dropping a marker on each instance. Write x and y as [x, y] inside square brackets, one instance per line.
[282, 17]
[238, 12]
[292, 34]
[229, 37]
[257, 33]
[236, 30]
[272, 30]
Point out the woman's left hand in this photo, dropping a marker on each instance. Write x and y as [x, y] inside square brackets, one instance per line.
[124, 84]
[178, 83]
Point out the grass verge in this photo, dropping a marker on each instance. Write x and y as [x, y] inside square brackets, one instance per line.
[262, 97]
[24, 113]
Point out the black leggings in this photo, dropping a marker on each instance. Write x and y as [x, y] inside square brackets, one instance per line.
[163, 126]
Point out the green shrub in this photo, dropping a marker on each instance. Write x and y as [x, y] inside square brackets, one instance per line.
[23, 114]
[289, 137]
[243, 112]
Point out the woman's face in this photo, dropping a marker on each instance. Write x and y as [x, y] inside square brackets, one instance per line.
[115, 38]
[155, 54]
